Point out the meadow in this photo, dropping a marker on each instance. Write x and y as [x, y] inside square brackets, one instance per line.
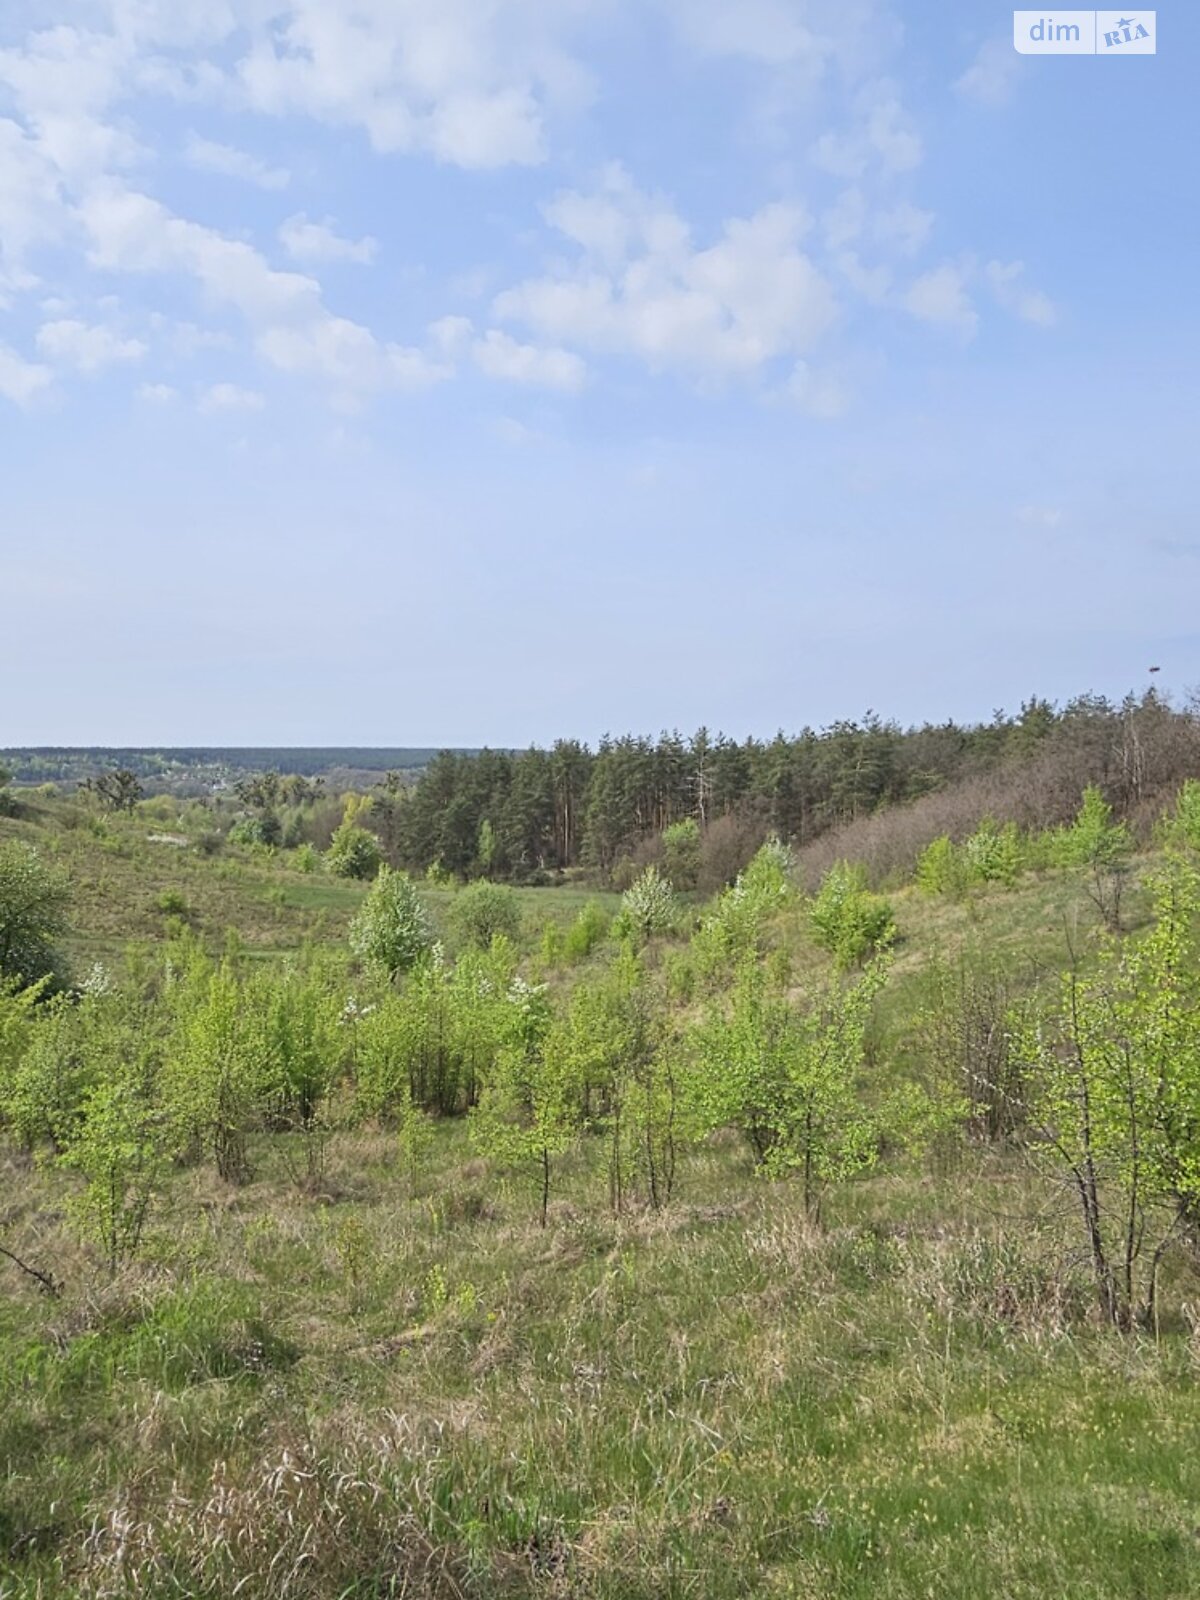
[379, 1357]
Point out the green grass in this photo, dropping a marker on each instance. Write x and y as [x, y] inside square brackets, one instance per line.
[714, 1400]
[366, 1388]
[119, 878]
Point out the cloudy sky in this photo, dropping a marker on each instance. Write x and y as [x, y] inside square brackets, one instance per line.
[464, 371]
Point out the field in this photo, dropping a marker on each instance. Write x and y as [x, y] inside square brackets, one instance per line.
[385, 1393]
[121, 868]
[371, 1372]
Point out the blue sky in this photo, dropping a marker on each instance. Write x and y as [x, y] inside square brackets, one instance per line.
[479, 371]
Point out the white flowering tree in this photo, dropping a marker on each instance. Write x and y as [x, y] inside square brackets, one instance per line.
[649, 906]
[392, 930]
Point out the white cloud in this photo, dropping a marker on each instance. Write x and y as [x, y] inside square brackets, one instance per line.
[873, 284]
[220, 397]
[941, 297]
[990, 78]
[846, 219]
[21, 380]
[480, 86]
[187, 339]
[156, 394]
[769, 31]
[451, 335]
[905, 227]
[497, 355]
[31, 204]
[1030, 305]
[800, 39]
[87, 349]
[901, 229]
[883, 136]
[820, 394]
[470, 84]
[641, 287]
[348, 356]
[227, 162]
[316, 241]
[130, 232]
[1040, 516]
[292, 328]
[510, 431]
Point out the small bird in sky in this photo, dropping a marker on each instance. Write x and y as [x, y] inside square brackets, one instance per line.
[1155, 669]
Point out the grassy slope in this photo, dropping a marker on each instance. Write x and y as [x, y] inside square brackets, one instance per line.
[119, 876]
[712, 1402]
[382, 1391]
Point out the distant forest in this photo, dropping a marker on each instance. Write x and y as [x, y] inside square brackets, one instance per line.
[867, 789]
[547, 810]
[183, 768]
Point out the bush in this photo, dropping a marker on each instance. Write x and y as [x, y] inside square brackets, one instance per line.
[942, 870]
[483, 910]
[648, 906]
[250, 831]
[354, 853]
[307, 858]
[1094, 839]
[849, 921]
[993, 854]
[733, 929]
[33, 913]
[392, 931]
[1184, 825]
[590, 928]
[681, 853]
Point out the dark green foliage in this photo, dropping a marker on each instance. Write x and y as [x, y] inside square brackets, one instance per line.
[552, 810]
[482, 910]
[33, 913]
[353, 853]
[682, 848]
[847, 919]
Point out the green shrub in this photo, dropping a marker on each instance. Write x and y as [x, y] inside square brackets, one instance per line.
[248, 831]
[681, 852]
[307, 859]
[33, 913]
[733, 930]
[392, 930]
[483, 910]
[847, 919]
[993, 854]
[120, 1152]
[590, 928]
[941, 869]
[1094, 839]
[353, 852]
[1184, 826]
[648, 906]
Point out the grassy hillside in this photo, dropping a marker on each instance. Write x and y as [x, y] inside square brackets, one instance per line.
[128, 874]
[368, 1371]
[386, 1392]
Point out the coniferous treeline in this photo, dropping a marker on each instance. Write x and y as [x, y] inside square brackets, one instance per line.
[503, 814]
